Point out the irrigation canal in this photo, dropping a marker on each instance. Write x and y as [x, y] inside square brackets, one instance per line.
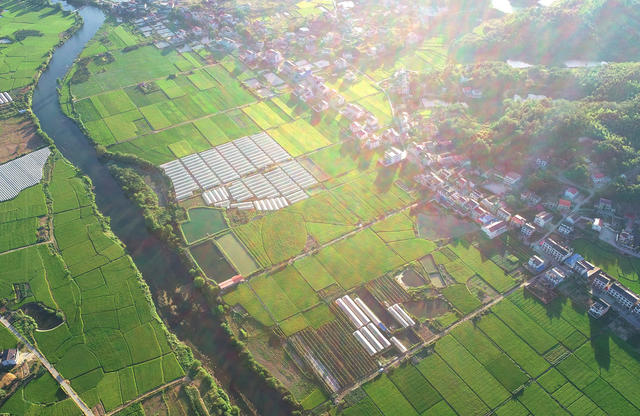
[160, 266]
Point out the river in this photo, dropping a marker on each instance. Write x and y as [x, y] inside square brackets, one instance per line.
[159, 265]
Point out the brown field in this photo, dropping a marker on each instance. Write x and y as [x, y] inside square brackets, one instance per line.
[17, 137]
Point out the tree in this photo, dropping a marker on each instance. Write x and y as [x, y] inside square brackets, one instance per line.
[198, 282]
[578, 173]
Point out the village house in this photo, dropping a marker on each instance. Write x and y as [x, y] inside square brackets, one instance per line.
[503, 214]
[565, 228]
[470, 92]
[372, 142]
[320, 106]
[401, 82]
[340, 64]
[622, 295]
[495, 228]
[571, 193]
[530, 198]
[536, 263]
[564, 205]
[371, 123]
[601, 281]
[512, 178]
[518, 221]
[599, 178]
[605, 205]
[554, 249]
[273, 57]
[599, 308]
[597, 225]
[352, 112]
[555, 276]
[625, 239]
[543, 218]
[527, 230]
[393, 156]
[10, 357]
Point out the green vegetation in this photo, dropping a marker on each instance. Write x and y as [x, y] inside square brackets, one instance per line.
[110, 326]
[625, 269]
[485, 268]
[298, 137]
[461, 298]
[203, 222]
[32, 29]
[20, 218]
[388, 398]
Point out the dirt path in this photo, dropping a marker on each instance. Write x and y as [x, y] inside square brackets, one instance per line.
[335, 240]
[148, 394]
[30, 245]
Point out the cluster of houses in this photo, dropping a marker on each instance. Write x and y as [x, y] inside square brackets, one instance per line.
[611, 291]
[447, 178]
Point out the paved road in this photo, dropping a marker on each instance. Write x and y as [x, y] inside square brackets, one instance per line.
[56, 375]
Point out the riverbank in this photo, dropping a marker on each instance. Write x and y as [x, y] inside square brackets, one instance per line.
[184, 310]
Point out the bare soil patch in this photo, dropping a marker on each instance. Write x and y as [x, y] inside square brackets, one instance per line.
[17, 137]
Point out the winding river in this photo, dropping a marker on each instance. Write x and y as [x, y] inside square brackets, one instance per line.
[160, 266]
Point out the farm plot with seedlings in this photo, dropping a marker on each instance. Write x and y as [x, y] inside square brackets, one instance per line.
[333, 354]
[430, 55]
[111, 345]
[29, 31]
[150, 63]
[353, 91]
[479, 366]
[108, 38]
[266, 115]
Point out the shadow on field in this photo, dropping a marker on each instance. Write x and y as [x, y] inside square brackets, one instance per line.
[600, 346]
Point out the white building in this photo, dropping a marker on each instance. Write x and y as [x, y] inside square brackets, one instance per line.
[543, 218]
[495, 229]
[555, 249]
[393, 156]
[555, 276]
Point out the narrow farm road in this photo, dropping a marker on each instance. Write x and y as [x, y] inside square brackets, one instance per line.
[148, 394]
[56, 375]
[398, 360]
[342, 237]
[23, 247]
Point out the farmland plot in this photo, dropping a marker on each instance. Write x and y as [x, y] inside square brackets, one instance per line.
[109, 325]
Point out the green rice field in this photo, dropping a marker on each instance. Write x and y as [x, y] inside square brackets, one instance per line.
[475, 369]
[20, 59]
[111, 339]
